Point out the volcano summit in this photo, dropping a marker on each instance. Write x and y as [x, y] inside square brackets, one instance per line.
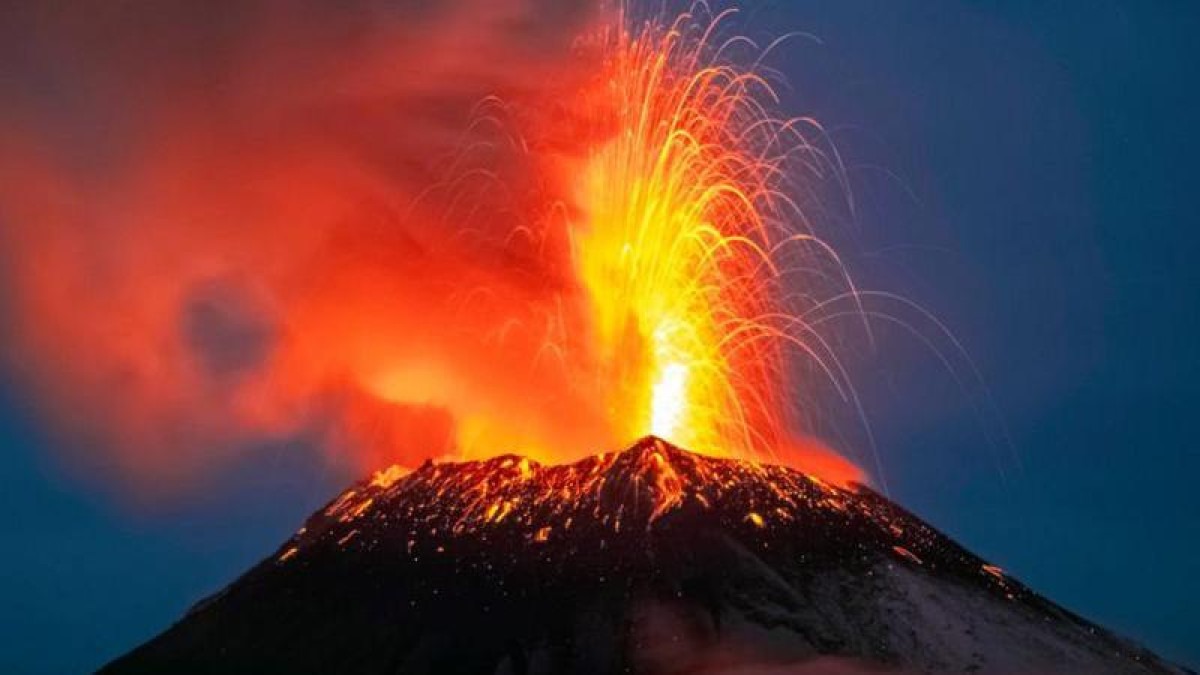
[652, 560]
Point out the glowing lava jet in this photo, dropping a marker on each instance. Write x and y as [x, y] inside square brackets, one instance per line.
[689, 241]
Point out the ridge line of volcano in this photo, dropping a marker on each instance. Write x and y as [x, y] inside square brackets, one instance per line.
[651, 471]
[446, 509]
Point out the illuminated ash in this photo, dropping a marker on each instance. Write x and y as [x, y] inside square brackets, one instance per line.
[652, 560]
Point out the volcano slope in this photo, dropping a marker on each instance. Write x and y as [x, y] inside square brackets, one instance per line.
[652, 560]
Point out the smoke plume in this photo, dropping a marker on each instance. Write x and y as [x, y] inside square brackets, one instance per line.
[226, 223]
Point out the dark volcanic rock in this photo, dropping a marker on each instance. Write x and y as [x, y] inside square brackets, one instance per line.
[653, 560]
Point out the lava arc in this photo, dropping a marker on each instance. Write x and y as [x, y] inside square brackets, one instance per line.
[693, 248]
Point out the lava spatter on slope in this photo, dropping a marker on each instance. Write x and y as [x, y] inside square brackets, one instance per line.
[651, 560]
[516, 507]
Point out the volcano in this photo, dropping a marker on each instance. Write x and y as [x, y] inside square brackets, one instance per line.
[652, 560]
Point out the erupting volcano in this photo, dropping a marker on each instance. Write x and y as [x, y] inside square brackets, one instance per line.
[651, 560]
[625, 242]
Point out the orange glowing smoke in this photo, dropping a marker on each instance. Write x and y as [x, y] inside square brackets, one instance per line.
[478, 230]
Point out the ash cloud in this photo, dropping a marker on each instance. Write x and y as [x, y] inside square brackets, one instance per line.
[227, 222]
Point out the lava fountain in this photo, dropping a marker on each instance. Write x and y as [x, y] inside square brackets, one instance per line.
[692, 254]
[694, 249]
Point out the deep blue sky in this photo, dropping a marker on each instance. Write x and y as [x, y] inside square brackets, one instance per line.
[1026, 172]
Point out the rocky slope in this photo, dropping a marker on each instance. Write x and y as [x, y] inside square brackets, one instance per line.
[652, 560]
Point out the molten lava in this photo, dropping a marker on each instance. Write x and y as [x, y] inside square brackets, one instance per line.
[685, 243]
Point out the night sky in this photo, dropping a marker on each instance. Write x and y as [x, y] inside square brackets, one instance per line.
[1025, 172]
